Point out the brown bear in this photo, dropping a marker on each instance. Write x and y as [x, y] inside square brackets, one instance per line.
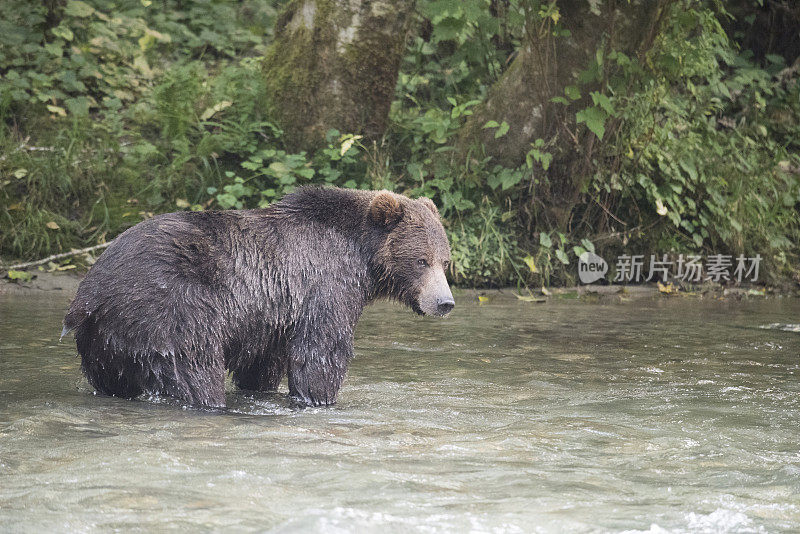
[179, 299]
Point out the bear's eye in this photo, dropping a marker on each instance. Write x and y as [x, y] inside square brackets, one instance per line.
[422, 263]
[446, 264]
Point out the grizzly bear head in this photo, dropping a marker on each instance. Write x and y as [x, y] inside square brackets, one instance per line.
[415, 253]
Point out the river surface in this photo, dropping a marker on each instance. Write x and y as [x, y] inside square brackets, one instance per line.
[668, 415]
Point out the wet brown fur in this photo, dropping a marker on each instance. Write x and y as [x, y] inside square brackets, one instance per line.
[182, 298]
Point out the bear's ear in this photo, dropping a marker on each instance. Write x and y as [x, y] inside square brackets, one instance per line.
[385, 209]
[429, 204]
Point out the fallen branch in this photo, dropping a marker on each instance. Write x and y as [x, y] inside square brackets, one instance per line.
[54, 257]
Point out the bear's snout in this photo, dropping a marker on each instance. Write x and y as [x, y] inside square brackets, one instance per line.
[445, 305]
[435, 297]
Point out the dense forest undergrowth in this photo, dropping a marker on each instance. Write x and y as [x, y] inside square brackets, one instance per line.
[541, 129]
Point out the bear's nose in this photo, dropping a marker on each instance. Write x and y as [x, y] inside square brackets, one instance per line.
[445, 306]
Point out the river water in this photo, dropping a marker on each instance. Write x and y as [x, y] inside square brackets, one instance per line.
[667, 415]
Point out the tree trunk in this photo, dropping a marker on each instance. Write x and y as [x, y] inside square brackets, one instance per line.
[771, 27]
[335, 65]
[544, 66]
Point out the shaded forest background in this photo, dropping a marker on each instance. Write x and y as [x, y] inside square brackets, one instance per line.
[541, 129]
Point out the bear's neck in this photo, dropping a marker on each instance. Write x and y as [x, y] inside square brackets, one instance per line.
[341, 209]
[345, 212]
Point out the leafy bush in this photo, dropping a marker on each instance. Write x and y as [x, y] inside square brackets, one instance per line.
[105, 117]
[112, 110]
[698, 160]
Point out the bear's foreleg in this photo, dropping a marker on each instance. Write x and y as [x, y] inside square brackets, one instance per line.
[318, 361]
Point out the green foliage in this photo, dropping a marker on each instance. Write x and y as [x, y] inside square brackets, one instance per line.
[75, 56]
[113, 110]
[105, 114]
[699, 157]
[462, 48]
[484, 250]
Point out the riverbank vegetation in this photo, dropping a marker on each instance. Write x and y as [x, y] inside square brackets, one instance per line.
[541, 129]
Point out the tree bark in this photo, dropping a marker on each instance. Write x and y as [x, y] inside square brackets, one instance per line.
[544, 66]
[334, 64]
[769, 28]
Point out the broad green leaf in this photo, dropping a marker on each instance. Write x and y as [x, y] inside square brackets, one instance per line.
[306, 172]
[529, 261]
[226, 200]
[278, 168]
[78, 105]
[348, 142]
[63, 32]
[56, 49]
[689, 167]
[502, 130]
[494, 180]
[251, 165]
[595, 119]
[603, 101]
[562, 256]
[572, 92]
[544, 240]
[76, 8]
[510, 178]
[545, 159]
[57, 110]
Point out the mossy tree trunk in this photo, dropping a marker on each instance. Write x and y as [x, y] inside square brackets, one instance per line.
[334, 64]
[544, 66]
